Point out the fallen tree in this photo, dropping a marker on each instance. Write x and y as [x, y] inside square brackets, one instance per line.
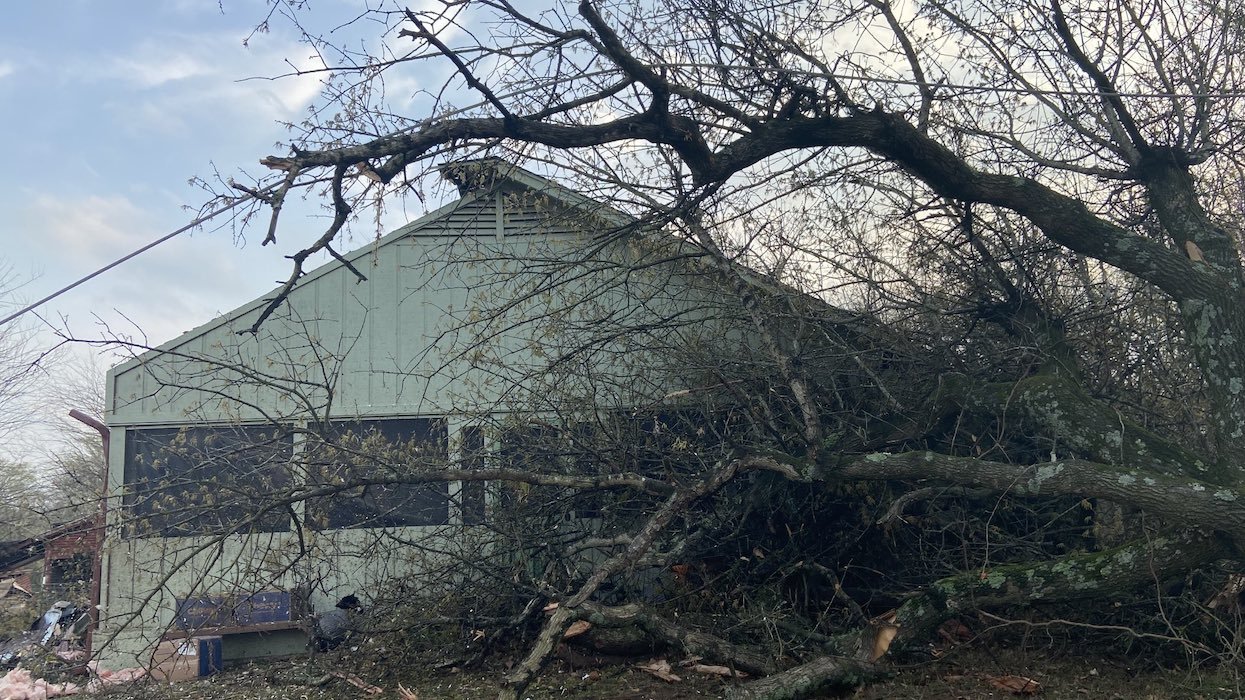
[1015, 276]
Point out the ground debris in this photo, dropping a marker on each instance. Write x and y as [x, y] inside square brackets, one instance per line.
[961, 678]
[1016, 685]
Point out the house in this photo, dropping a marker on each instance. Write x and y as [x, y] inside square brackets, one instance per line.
[57, 562]
[520, 299]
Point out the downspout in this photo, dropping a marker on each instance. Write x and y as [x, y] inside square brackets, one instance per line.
[97, 563]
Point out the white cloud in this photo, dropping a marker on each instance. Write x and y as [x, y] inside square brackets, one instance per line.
[6, 68]
[183, 83]
[89, 230]
[169, 289]
[183, 79]
[286, 96]
[149, 72]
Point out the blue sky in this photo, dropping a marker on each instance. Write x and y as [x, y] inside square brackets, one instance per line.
[108, 109]
[108, 115]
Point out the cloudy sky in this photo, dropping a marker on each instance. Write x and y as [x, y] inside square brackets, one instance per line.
[107, 110]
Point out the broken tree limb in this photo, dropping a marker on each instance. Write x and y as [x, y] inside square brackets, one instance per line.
[929, 493]
[1058, 406]
[1181, 500]
[805, 680]
[568, 611]
[1075, 577]
[694, 642]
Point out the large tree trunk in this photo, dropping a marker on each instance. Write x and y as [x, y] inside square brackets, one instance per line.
[1092, 575]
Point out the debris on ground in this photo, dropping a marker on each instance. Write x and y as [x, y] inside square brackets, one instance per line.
[61, 629]
[21, 684]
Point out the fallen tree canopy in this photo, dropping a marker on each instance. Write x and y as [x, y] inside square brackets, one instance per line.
[989, 267]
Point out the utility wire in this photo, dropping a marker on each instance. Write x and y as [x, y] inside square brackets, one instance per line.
[235, 203]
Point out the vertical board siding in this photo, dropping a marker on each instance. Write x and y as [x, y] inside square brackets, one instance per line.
[499, 303]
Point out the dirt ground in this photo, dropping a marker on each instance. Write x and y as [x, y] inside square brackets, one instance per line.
[971, 675]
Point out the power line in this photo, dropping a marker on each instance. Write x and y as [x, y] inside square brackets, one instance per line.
[197, 222]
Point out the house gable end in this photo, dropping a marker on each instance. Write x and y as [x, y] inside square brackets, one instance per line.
[386, 320]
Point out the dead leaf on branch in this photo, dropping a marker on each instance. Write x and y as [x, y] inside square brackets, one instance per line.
[1195, 253]
[1229, 597]
[954, 632]
[1016, 685]
[577, 628]
[886, 630]
[680, 572]
[661, 669]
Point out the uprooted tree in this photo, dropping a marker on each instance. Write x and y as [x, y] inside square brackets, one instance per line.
[1027, 213]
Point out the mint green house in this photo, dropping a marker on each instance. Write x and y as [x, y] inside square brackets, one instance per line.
[520, 298]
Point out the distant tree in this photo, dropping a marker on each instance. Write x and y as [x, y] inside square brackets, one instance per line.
[71, 453]
[23, 500]
[20, 360]
[22, 496]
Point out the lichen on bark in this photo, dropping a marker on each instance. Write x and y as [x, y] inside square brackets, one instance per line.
[1074, 423]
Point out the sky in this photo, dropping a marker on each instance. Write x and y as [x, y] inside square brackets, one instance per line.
[108, 109]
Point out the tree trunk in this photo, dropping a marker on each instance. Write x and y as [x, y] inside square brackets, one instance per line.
[1080, 576]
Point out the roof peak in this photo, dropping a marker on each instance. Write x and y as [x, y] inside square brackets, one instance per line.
[487, 173]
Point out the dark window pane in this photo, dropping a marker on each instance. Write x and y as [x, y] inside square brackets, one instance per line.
[71, 570]
[206, 480]
[548, 449]
[378, 450]
[473, 491]
[658, 444]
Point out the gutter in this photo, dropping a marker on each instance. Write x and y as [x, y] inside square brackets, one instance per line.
[97, 563]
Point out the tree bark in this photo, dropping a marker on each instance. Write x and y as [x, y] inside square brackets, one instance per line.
[1077, 424]
[1080, 576]
[1180, 500]
[807, 679]
[692, 641]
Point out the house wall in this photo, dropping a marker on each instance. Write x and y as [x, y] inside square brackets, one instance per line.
[505, 302]
[451, 317]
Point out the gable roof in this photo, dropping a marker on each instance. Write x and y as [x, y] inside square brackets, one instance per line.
[476, 180]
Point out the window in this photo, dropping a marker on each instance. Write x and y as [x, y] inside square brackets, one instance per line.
[382, 451]
[547, 449]
[70, 570]
[206, 480]
[472, 496]
[656, 444]
[659, 444]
